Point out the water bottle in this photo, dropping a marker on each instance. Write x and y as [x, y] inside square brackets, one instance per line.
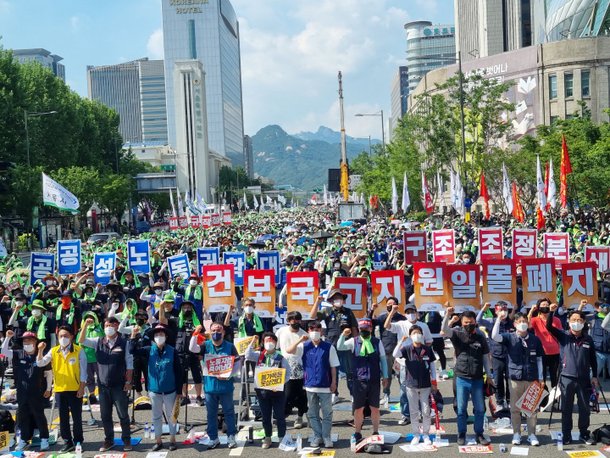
[299, 443]
[79, 450]
[437, 438]
[560, 442]
[152, 432]
[17, 436]
[503, 448]
[485, 424]
[146, 431]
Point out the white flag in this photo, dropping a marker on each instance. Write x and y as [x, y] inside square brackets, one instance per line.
[459, 204]
[506, 190]
[246, 202]
[439, 188]
[55, 195]
[394, 197]
[200, 203]
[551, 197]
[405, 195]
[255, 202]
[180, 205]
[325, 196]
[540, 187]
[171, 201]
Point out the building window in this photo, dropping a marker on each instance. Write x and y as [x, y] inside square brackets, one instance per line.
[568, 82]
[585, 79]
[554, 119]
[552, 87]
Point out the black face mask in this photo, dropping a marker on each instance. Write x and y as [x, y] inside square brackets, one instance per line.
[295, 325]
[188, 313]
[469, 327]
[389, 309]
[140, 322]
[544, 310]
[365, 334]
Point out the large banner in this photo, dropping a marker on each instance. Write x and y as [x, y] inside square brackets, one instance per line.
[206, 221]
[68, 257]
[208, 256]
[388, 283]
[556, 245]
[260, 286]
[103, 265]
[178, 265]
[579, 280]
[356, 290]
[415, 247]
[270, 260]
[41, 265]
[539, 280]
[218, 288]
[195, 221]
[499, 282]
[443, 246]
[238, 259]
[138, 256]
[491, 247]
[429, 286]
[216, 219]
[600, 255]
[524, 244]
[302, 290]
[462, 282]
[227, 218]
[173, 223]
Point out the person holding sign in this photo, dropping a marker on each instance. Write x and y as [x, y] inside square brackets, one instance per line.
[219, 364]
[270, 401]
[578, 373]
[192, 293]
[524, 352]
[369, 367]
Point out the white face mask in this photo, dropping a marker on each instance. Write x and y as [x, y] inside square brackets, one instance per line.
[521, 327]
[314, 335]
[417, 338]
[337, 302]
[193, 282]
[411, 317]
[36, 313]
[576, 326]
[115, 305]
[160, 340]
[249, 309]
[158, 292]
[19, 303]
[109, 331]
[503, 314]
[29, 348]
[269, 346]
[64, 342]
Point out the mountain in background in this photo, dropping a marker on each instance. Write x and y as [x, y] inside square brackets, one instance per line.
[300, 160]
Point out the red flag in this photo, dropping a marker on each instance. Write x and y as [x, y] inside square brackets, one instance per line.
[566, 169]
[518, 213]
[428, 201]
[540, 221]
[485, 195]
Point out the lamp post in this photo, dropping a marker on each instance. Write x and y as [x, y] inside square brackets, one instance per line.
[26, 116]
[382, 125]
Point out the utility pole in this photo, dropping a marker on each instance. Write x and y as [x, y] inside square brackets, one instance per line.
[344, 186]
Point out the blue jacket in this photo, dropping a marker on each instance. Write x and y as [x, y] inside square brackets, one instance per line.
[164, 370]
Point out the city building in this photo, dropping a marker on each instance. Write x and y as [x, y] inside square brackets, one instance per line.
[197, 165]
[207, 31]
[157, 154]
[550, 81]
[428, 47]
[576, 18]
[249, 156]
[44, 58]
[136, 90]
[399, 97]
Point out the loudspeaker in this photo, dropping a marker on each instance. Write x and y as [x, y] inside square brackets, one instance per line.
[334, 180]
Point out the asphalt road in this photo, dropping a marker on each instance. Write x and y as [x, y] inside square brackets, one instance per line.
[341, 416]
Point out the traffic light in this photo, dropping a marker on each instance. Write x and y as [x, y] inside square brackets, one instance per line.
[6, 168]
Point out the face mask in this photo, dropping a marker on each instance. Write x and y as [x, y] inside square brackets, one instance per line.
[64, 342]
[217, 336]
[314, 335]
[109, 331]
[188, 312]
[115, 305]
[20, 303]
[140, 322]
[417, 338]
[193, 282]
[576, 326]
[411, 317]
[503, 314]
[158, 292]
[29, 348]
[295, 326]
[389, 308]
[159, 340]
[249, 310]
[337, 303]
[36, 313]
[544, 310]
[269, 346]
[365, 334]
[521, 327]
[469, 327]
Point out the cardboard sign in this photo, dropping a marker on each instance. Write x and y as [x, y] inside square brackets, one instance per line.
[556, 246]
[242, 344]
[491, 246]
[173, 223]
[220, 366]
[68, 257]
[429, 286]
[462, 282]
[178, 265]
[388, 283]
[600, 255]
[206, 221]
[208, 256]
[579, 280]
[499, 282]
[529, 401]
[41, 265]
[376, 439]
[5, 439]
[260, 286]
[443, 246]
[539, 279]
[238, 259]
[218, 288]
[216, 219]
[272, 378]
[138, 252]
[270, 260]
[356, 290]
[227, 218]
[415, 247]
[478, 449]
[195, 221]
[585, 454]
[183, 222]
[302, 290]
[103, 264]
[524, 244]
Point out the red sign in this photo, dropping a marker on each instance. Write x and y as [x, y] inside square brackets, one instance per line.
[579, 280]
[195, 221]
[429, 286]
[490, 244]
[388, 283]
[356, 290]
[227, 218]
[183, 221]
[173, 223]
[443, 246]
[524, 244]
[414, 245]
[259, 284]
[462, 282]
[218, 287]
[206, 221]
[216, 219]
[302, 290]
[539, 279]
[600, 255]
[556, 245]
[499, 282]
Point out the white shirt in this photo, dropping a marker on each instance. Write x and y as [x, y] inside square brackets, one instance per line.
[401, 328]
[333, 360]
[285, 339]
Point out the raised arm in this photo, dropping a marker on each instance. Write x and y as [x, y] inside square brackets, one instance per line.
[313, 313]
[445, 329]
[5, 350]
[495, 332]
[388, 320]
[344, 343]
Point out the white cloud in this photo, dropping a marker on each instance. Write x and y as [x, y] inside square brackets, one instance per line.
[154, 45]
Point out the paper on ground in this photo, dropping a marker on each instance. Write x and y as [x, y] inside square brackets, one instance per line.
[519, 451]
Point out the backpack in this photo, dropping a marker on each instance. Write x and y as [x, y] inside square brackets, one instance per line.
[6, 421]
[602, 434]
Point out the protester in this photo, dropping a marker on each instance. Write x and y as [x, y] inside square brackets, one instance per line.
[537, 316]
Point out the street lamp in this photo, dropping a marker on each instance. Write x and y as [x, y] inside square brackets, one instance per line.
[382, 125]
[26, 116]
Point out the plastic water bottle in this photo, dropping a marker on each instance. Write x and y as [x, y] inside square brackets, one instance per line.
[146, 431]
[485, 424]
[79, 450]
[560, 442]
[17, 436]
[151, 434]
[503, 448]
[299, 443]
[437, 438]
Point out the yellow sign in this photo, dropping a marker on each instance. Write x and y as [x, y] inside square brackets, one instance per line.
[586, 454]
[5, 438]
[271, 378]
[324, 453]
[242, 344]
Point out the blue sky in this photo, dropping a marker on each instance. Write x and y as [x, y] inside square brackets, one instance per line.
[302, 44]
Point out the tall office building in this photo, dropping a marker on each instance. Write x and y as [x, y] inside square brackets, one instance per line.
[576, 19]
[249, 156]
[44, 58]
[136, 90]
[207, 31]
[399, 96]
[428, 47]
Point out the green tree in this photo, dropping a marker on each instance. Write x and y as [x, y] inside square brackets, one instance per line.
[83, 182]
[114, 193]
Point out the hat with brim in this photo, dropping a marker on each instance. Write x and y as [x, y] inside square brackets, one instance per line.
[169, 298]
[410, 306]
[158, 284]
[160, 328]
[28, 335]
[365, 323]
[335, 292]
[37, 303]
[193, 277]
[183, 303]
